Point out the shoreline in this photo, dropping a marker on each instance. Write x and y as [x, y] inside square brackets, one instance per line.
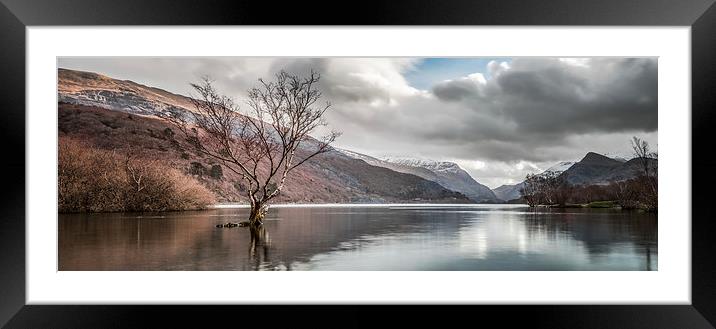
[364, 205]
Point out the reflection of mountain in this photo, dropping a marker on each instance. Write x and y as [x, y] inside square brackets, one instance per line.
[438, 238]
[600, 230]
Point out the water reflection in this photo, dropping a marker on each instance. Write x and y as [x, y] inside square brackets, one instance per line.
[259, 246]
[483, 237]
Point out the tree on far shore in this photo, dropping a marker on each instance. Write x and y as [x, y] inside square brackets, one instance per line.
[640, 191]
[647, 181]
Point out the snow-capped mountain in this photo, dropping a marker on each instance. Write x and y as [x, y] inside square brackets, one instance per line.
[560, 167]
[432, 165]
[355, 155]
[621, 157]
[447, 174]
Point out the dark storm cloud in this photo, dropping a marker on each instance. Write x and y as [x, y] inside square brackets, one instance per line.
[555, 97]
[456, 90]
[538, 110]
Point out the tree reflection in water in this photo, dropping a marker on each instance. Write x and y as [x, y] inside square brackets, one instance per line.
[601, 231]
[259, 246]
[481, 237]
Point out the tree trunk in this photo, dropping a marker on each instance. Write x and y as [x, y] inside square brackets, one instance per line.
[258, 212]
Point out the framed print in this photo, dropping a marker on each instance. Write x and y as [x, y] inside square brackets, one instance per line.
[421, 155]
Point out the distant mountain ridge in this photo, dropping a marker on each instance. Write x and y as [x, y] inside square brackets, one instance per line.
[450, 175]
[432, 165]
[597, 169]
[445, 173]
[509, 192]
[592, 169]
[560, 167]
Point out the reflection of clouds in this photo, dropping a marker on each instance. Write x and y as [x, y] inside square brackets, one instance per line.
[414, 237]
[500, 232]
[473, 240]
[486, 237]
[522, 243]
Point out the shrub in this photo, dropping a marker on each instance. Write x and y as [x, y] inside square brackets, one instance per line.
[216, 172]
[198, 169]
[96, 180]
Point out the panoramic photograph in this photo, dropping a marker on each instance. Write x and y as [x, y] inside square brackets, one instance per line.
[357, 164]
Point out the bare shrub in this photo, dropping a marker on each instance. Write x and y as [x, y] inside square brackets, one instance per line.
[548, 188]
[95, 180]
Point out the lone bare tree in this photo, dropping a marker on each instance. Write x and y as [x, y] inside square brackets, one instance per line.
[264, 144]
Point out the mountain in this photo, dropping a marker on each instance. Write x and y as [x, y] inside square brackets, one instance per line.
[447, 174]
[621, 157]
[560, 167]
[593, 169]
[599, 169]
[121, 115]
[509, 192]
[432, 165]
[92, 89]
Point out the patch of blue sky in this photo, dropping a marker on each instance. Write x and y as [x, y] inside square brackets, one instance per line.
[430, 71]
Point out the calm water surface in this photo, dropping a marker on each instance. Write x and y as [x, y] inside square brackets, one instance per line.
[475, 237]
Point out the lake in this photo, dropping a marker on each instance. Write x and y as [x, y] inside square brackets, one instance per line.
[385, 237]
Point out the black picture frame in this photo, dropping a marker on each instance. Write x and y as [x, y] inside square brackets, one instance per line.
[16, 15]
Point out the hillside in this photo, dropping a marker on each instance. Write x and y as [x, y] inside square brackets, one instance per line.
[121, 115]
[590, 168]
[593, 169]
[92, 89]
[509, 192]
[597, 169]
[447, 174]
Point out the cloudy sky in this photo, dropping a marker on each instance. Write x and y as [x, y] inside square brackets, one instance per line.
[498, 118]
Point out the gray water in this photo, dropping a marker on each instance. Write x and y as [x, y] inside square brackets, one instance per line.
[421, 237]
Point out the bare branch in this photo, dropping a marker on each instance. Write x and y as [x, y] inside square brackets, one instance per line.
[265, 143]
